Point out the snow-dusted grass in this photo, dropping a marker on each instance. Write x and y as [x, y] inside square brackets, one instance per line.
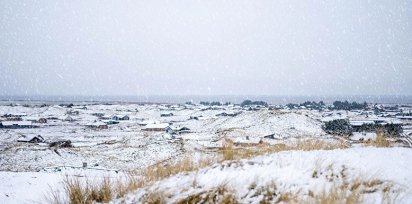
[100, 192]
[230, 151]
[353, 175]
[84, 192]
[349, 193]
[380, 140]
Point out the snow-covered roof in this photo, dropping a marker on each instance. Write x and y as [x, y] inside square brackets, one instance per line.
[404, 117]
[178, 128]
[156, 126]
[20, 123]
[32, 118]
[28, 138]
[17, 114]
[331, 118]
[120, 116]
[361, 122]
[146, 122]
[96, 124]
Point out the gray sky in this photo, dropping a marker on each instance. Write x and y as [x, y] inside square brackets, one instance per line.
[276, 47]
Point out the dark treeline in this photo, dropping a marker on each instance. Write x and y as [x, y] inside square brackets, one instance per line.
[345, 105]
[307, 104]
[337, 105]
[343, 127]
[253, 103]
[214, 103]
[338, 126]
[244, 103]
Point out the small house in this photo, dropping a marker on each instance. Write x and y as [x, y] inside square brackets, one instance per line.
[68, 118]
[177, 130]
[110, 122]
[14, 119]
[73, 112]
[36, 119]
[147, 122]
[31, 139]
[98, 114]
[166, 114]
[98, 125]
[156, 127]
[16, 124]
[228, 114]
[14, 115]
[120, 117]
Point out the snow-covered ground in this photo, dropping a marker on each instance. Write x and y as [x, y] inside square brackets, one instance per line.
[125, 146]
[37, 187]
[297, 173]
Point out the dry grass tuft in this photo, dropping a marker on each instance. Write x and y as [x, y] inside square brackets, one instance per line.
[381, 140]
[354, 192]
[161, 170]
[220, 195]
[317, 144]
[351, 193]
[88, 192]
[270, 194]
[132, 183]
[154, 198]
[80, 191]
[230, 152]
[337, 195]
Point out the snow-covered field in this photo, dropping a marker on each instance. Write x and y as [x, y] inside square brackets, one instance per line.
[30, 170]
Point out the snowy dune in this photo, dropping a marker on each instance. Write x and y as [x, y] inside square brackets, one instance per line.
[294, 172]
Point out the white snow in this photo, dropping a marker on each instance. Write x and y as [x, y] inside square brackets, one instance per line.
[293, 172]
[125, 146]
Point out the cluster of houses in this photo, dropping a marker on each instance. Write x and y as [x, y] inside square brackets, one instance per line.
[397, 117]
[15, 121]
[21, 120]
[155, 126]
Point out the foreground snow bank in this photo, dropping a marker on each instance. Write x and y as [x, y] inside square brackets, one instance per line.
[26, 187]
[299, 173]
[36, 187]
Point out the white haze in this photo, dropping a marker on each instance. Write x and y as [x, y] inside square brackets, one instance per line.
[182, 47]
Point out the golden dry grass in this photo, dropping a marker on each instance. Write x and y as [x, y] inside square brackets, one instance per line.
[270, 194]
[84, 193]
[337, 195]
[354, 192]
[230, 152]
[164, 170]
[105, 190]
[220, 195]
[381, 140]
[349, 193]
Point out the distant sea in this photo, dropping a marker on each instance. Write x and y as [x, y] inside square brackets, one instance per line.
[271, 99]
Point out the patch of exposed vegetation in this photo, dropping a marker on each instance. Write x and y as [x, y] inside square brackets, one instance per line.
[381, 140]
[231, 152]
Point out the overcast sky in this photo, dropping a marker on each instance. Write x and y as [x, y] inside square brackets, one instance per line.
[274, 47]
